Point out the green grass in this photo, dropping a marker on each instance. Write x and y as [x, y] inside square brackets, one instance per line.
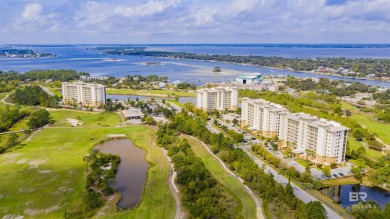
[55, 91]
[27, 191]
[176, 102]
[374, 154]
[2, 95]
[366, 119]
[87, 118]
[245, 201]
[340, 181]
[302, 162]
[157, 93]
[21, 124]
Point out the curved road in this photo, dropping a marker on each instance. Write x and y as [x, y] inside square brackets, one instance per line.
[172, 186]
[259, 212]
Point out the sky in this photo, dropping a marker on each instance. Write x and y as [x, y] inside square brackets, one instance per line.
[194, 21]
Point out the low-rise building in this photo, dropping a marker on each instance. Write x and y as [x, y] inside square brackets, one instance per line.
[249, 79]
[85, 94]
[218, 98]
[132, 113]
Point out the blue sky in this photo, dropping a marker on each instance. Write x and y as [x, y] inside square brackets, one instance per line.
[194, 21]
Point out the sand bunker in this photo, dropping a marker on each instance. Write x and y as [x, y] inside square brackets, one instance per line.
[74, 122]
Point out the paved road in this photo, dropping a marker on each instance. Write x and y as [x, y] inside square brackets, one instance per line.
[259, 212]
[46, 90]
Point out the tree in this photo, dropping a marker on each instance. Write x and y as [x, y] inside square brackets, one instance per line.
[315, 210]
[149, 120]
[38, 119]
[338, 111]
[235, 121]
[100, 119]
[358, 135]
[348, 113]
[357, 173]
[326, 171]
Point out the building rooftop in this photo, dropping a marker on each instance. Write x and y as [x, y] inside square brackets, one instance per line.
[132, 112]
[82, 84]
[249, 76]
[216, 89]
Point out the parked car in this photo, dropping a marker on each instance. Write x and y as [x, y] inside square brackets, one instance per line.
[335, 176]
[341, 174]
[170, 172]
[253, 138]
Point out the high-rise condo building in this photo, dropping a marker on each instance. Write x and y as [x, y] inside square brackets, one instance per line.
[319, 140]
[263, 116]
[82, 93]
[218, 98]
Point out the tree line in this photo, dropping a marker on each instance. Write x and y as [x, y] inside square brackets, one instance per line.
[203, 195]
[42, 75]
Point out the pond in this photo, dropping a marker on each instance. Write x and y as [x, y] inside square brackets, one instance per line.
[132, 171]
[341, 194]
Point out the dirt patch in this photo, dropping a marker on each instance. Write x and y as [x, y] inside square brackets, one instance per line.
[74, 122]
[21, 161]
[12, 216]
[34, 212]
[26, 190]
[36, 163]
[65, 189]
[9, 158]
[45, 171]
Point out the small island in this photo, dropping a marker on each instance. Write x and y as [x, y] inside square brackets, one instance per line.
[23, 53]
[153, 63]
[217, 69]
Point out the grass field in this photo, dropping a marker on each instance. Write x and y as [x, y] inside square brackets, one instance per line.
[2, 95]
[176, 102]
[246, 204]
[55, 91]
[365, 119]
[53, 172]
[87, 118]
[340, 181]
[157, 93]
[353, 144]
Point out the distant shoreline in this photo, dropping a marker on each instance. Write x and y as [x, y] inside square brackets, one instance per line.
[280, 69]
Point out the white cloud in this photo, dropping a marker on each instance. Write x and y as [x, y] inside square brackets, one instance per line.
[208, 20]
[32, 11]
[147, 9]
